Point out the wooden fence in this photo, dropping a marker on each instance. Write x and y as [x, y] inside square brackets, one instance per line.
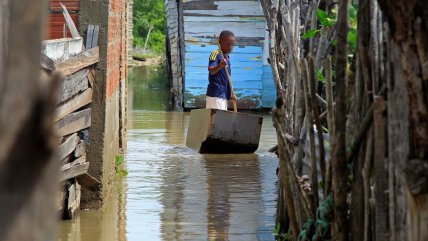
[68, 58]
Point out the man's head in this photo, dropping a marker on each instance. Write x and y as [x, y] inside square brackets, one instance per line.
[227, 41]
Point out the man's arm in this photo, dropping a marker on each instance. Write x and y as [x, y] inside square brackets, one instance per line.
[215, 69]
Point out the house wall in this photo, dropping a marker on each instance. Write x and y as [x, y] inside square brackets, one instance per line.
[251, 74]
[109, 107]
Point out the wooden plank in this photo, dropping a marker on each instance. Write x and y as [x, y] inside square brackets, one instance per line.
[68, 146]
[80, 149]
[89, 36]
[76, 162]
[223, 8]
[95, 36]
[241, 29]
[75, 171]
[74, 122]
[72, 200]
[70, 23]
[91, 77]
[72, 85]
[73, 104]
[88, 182]
[76, 63]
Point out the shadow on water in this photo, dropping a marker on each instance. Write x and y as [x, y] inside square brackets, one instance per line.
[173, 193]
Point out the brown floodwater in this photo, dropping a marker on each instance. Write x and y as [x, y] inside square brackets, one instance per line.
[172, 193]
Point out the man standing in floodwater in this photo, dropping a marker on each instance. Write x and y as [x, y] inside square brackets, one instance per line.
[218, 92]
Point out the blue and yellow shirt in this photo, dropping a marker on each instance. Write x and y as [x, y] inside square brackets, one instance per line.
[218, 85]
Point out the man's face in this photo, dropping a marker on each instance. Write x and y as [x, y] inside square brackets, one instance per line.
[227, 43]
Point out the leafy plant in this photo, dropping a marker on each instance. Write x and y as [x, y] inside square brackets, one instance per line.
[320, 75]
[119, 160]
[311, 33]
[325, 19]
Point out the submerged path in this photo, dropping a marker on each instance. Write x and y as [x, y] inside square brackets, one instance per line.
[173, 193]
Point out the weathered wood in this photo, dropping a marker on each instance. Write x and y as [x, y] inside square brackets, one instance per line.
[74, 171]
[74, 122]
[310, 124]
[380, 170]
[95, 36]
[73, 163]
[72, 85]
[80, 149]
[76, 63]
[68, 146]
[330, 117]
[91, 78]
[72, 200]
[340, 225]
[88, 182]
[74, 103]
[70, 23]
[92, 36]
[89, 36]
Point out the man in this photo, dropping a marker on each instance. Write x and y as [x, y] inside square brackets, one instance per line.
[218, 92]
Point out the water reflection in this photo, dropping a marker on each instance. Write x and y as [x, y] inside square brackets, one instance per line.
[107, 224]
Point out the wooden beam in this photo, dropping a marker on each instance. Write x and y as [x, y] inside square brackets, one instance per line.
[75, 171]
[91, 77]
[69, 165]
[70, 23]
[80, 149]
[89, 36]
[68, 146]
[95, 36]
[78, 62]
[73, 104]
[74, 122]
[73, 84]
[72, 201]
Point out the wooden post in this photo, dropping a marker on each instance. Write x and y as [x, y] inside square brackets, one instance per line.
[340, 226]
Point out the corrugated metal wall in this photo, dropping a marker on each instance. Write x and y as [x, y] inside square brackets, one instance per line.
[251, 74]
[56, 21]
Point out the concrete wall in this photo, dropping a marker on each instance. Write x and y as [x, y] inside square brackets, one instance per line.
[108, 109]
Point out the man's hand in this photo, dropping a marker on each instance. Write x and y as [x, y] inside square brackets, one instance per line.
[222, 63]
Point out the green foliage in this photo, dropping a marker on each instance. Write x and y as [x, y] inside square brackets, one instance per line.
[325, 19]
[150, 14]
[311, 33]
[118, 166]
[352, 34]
[320, 228]
[320, 75]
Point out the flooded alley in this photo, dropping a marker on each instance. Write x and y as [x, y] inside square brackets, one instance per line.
[173, 193]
